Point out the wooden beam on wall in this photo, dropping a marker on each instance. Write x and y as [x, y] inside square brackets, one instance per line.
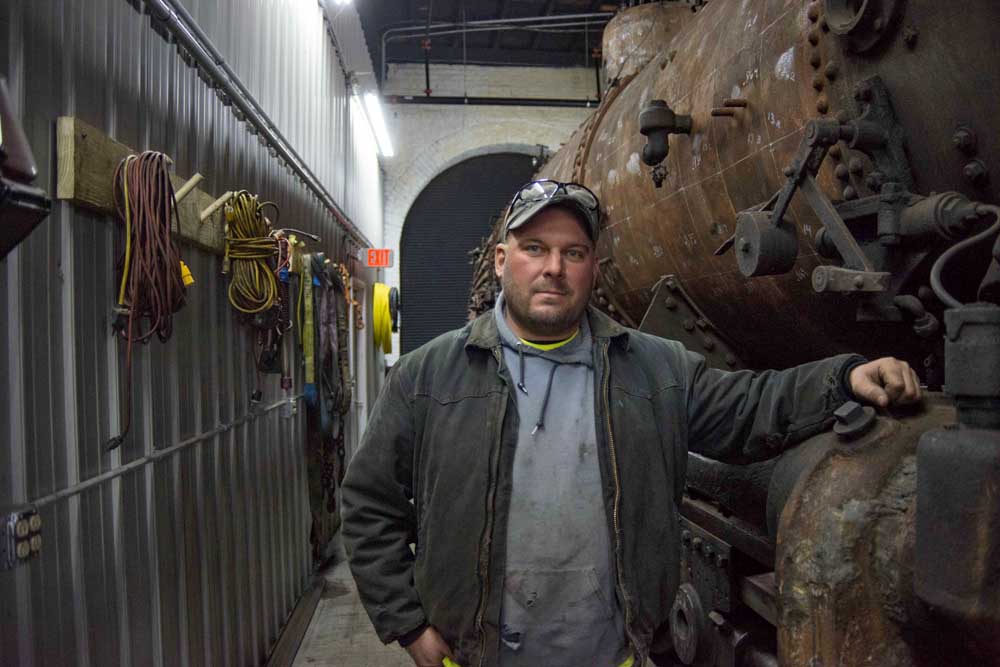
[87, 159]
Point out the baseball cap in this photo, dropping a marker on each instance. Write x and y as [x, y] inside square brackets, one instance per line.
[535, 196]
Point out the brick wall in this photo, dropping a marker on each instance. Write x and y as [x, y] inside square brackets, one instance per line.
[429, 139]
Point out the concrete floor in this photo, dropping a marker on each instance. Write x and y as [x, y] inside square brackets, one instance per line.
[340, 633]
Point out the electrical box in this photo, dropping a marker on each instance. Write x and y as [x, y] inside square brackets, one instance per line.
[20, 536]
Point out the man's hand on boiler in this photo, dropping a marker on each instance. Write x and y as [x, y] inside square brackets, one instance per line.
[884, 382]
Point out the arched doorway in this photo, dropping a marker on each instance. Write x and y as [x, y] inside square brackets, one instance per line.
[447, 220]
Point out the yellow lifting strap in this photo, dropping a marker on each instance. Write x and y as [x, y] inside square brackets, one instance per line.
[308, 330]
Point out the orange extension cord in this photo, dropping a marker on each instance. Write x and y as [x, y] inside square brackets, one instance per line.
[152, 287]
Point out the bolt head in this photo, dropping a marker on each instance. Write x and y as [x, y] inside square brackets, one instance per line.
[874, 181]
[848, 412]
[789, 171]
[696, 543]
[743, 245]
[836, 151]
[964, 140]
[815, 60]
[856, 165]
[850, 193]
[688, 324]
[831, 70]
[822, 105]
[670, 302]
[818, 82]
[975, 171]
[841, 172]
[686, 536]
[35, 523]
[859, 282]
[21, 528]
[813, 12]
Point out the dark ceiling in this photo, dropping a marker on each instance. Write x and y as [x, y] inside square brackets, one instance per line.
[551, 36]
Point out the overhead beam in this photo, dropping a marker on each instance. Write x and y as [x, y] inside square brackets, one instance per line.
[440, 55]
[489, 101]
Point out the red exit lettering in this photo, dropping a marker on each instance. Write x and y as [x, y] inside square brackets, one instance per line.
[379, 258]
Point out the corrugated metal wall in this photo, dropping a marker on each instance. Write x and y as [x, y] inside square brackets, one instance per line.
[189, 544]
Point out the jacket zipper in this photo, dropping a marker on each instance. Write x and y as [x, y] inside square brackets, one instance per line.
[614, 516]
[484, 543]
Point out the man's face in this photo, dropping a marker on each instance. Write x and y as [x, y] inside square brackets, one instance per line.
[547, 268]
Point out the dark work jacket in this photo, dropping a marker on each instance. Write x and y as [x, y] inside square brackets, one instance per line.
[442, 434]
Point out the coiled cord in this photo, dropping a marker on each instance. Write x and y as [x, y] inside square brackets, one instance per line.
[381, 319]
[939, 290]
[251, 252]
[151, 287]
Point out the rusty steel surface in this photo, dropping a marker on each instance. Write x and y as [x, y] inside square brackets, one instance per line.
[781, 58]
[633, 38]
[845, 553]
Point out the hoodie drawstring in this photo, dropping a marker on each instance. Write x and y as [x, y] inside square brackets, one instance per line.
[545, 401]
[548, 388]
[520, 356]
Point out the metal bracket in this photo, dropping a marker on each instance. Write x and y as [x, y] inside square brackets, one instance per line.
[766, 243]
[673, 314]
[657, 122]
[707, 565]
[20, 536]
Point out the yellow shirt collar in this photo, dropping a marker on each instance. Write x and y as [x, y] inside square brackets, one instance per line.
[545, 347]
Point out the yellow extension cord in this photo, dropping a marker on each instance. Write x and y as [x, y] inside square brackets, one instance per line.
[254, 287]
[382, 321]
[128, 235]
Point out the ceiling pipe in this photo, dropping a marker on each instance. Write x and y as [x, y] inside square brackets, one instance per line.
[539, 27]
[187, 33]
[490, 101]
[507, 21]
[549, 21]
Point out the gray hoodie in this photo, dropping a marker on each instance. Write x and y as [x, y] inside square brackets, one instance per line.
[559, 604]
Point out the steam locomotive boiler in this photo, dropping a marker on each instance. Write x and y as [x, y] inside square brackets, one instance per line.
[784, 180]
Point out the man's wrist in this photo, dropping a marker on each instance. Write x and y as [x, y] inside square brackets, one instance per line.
[845, 375]
[412, 635]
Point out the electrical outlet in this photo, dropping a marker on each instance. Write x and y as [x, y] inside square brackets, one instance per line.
[20, 536]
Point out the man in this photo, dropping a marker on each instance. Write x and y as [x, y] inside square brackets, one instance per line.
[543, 447]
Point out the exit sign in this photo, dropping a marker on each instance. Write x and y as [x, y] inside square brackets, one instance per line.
[379, 258]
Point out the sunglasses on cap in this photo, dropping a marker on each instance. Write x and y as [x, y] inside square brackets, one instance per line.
[532, 197]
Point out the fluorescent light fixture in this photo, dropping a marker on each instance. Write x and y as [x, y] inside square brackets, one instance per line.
[373, 111]
[342, 2]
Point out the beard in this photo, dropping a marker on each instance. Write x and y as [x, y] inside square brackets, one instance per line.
[547, 322]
